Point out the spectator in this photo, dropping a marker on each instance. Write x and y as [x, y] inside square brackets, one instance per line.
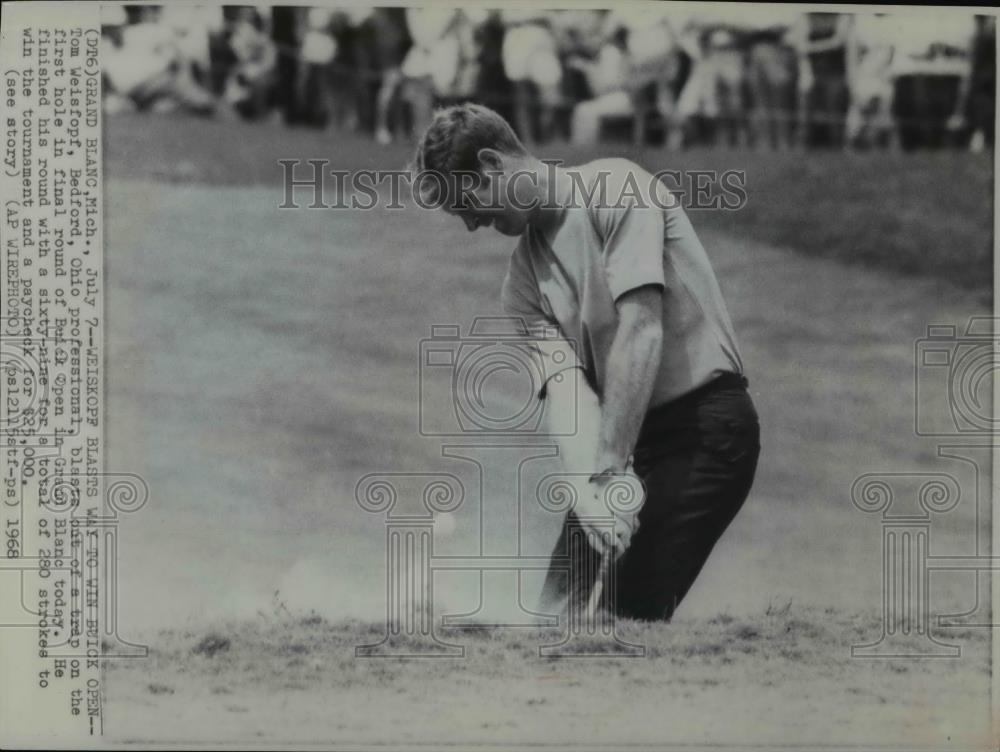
[341, 78]
[288, 28]
[656, 69]
[531, 62]
[145, 67]
[492, 87]
[250, 83]
[772, 75]
[192, 28]
[869, 63]
[982, 90]
[714, 96]
[382, 44]
[430, 68]
[701, 72]
[822, 44]
[608, 77]
[466, 30]
[933, 74]
[578, 34]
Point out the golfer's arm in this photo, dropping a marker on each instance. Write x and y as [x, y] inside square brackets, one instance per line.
[631, 370]
[573, 418]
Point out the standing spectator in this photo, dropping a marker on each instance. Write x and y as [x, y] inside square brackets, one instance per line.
[145, 67]
[608, 77]
[430, 68]
[823, 89]
[250, 84]
[656, 69]
[466, 29]
[492, 87]
[341, 83]
[579, 35]
[869, 63]
[933, 70]
[531, 62]
[772, 74]
[192, 28]
[982, 91]
[382, 44]
[714, 96]
[288, 28]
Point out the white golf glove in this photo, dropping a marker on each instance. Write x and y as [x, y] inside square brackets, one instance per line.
[612, 496]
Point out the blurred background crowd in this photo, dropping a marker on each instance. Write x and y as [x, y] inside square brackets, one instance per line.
[679, 76]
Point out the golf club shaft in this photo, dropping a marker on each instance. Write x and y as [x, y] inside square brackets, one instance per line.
[598, 590]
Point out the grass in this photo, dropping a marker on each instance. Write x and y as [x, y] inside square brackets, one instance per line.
[307, 649]
[927, 214]
[770, 671]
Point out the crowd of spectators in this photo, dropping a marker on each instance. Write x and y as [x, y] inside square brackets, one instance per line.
[773, 76]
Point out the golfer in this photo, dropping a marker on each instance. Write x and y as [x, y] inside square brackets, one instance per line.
[607, 258]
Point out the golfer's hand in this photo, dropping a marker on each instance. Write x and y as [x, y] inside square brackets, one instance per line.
[612, 498]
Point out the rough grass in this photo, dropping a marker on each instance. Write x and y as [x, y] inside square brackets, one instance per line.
[923, 213]
[769, 671]
[807, 637]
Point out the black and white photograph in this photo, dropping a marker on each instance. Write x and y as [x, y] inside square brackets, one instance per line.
[498, 376]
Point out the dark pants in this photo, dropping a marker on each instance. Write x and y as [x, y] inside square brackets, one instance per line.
[923, 104]
[696, 456]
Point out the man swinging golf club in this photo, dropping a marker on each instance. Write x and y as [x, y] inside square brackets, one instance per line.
[607, 257]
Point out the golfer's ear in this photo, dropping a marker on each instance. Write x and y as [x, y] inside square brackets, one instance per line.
[490, 160]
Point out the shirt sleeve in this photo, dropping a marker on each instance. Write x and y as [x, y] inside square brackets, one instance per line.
[632, 229]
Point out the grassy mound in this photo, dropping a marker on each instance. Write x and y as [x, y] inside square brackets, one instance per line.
[927, 213]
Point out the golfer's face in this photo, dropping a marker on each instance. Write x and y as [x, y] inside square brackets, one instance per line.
[486, 207]
[504, 222]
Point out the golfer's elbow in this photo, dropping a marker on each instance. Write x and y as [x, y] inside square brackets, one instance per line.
[649, 335]
[644, 334]
[640, 320]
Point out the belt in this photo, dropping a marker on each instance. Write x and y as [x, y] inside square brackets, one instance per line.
[727, 380]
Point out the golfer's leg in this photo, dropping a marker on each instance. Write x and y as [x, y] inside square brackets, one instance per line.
[694, 490]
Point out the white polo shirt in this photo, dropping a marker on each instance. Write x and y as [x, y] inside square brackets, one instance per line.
[619, 240]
